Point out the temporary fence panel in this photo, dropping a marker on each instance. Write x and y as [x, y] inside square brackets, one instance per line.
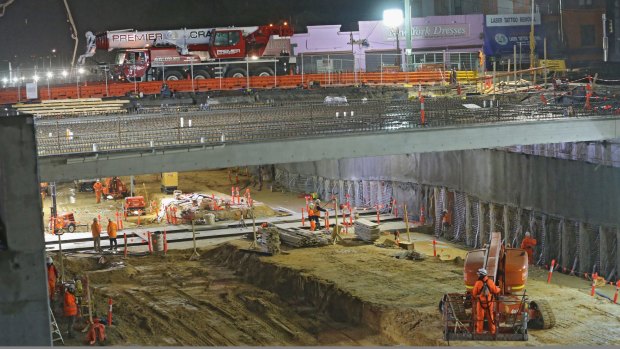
[377, 61]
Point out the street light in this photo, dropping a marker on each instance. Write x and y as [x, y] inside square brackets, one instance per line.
[49, 77]
[392, 19]
[77, 81]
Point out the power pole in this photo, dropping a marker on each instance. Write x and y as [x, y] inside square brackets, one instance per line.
[532, 38]
[407, 27]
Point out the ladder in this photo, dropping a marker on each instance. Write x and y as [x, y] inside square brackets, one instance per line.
[56, 335]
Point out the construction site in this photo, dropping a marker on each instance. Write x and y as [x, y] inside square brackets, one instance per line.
[246, 186]
[230, 256]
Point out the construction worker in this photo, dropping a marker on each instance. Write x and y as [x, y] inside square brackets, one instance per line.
[52, 276]
[112, 229]
[484, 293]
[445, 221]
[528, 244]
[313, 216]
[98, 188]
[314, 213]
[95, 228]
[453, 77]
[70, 309]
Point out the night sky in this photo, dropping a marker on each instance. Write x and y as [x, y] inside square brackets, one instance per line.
[30, 29]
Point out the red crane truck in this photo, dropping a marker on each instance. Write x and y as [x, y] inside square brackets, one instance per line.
[205, 53]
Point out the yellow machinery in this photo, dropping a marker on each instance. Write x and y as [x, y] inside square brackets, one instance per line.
[169, 182]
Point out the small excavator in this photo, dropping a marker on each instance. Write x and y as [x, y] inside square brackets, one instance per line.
[514, 313]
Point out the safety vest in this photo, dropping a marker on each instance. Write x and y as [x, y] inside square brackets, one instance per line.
[70, 307]
[311, 210]
[51, 274]
[96, 229]
[112, 230]
[485, 297]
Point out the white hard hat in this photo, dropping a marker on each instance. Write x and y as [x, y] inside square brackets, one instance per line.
[49, 260]
[527, 233]
[482, 272]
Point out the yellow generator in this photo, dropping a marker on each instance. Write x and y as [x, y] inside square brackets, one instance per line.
[169, 182]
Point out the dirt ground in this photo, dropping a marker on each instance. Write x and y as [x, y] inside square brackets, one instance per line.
[84, 205]
[174, 301]
[345, 294]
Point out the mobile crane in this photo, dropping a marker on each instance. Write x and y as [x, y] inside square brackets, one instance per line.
[514, 313]
[205, 52]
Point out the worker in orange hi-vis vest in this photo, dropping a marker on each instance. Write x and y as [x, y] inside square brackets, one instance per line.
[70, 309]
[112, 229]
[98, 189]
[52, 276]
[95, 229]
[484, 293]
[528, 244]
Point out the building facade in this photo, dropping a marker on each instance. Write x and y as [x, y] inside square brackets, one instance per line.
[438, 42]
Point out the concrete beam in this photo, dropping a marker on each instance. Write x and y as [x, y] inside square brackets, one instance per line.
[24, 305]
[337, 147]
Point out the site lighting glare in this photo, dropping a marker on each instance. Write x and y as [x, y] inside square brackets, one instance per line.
[49, 74]
[64, 73]
[81, 70]
[35, 78]
[254, 58]
[4, 80]
[393, 18]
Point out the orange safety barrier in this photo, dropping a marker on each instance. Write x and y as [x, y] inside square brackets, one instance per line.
[165, 242]
[434, 247]
[120, 89]
[594, 277]
[109, 311]
[148, 233]
[550, 271]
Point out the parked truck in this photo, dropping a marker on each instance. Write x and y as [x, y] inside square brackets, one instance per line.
[202, 53]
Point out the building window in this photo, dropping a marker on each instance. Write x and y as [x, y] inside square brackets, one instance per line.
[587, 35]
